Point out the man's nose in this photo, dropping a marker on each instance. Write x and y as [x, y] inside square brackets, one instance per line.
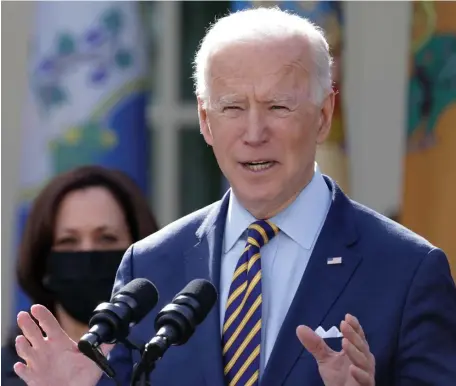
[256, 129]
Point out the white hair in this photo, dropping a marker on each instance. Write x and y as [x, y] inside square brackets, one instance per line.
[262, 24]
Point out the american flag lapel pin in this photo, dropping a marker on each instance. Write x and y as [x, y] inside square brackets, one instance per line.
[334, 260]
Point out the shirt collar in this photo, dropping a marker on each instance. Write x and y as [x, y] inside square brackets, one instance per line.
[301, 221]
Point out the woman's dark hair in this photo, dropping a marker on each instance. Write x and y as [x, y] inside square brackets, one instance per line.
[38, 235]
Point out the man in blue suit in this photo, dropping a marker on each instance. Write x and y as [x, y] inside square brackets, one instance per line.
[314, 289]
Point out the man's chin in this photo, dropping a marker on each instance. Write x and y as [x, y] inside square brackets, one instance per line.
[256, 199]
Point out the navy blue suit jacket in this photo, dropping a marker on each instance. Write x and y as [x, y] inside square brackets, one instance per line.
[396, 283]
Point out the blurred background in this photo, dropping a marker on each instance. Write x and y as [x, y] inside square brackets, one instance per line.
[109, 83]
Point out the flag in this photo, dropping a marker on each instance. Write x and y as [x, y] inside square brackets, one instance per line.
[331, 156]
[429, 198]
[334, 260]
[86, 96]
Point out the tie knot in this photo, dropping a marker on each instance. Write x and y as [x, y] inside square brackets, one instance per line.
[260, 232]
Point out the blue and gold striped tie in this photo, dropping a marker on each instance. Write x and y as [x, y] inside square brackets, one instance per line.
[241, 336]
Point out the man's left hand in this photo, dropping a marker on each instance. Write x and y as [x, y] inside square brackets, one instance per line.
[353, 366]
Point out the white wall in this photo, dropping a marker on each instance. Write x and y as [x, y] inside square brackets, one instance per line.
[16, 18]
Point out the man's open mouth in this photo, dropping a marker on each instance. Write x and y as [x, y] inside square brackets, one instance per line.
[258, 166]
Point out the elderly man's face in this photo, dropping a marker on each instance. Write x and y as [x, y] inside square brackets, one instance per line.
[262, 123]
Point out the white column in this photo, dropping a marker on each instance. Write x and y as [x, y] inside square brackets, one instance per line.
[163, 115]
[377, 38]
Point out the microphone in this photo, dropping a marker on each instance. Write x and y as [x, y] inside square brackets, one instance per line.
[111, 322]
[176, 322]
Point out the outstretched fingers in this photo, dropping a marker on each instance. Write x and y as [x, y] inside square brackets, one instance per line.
[357, 349]
[49, 323]
[30, 330]
[25, 350]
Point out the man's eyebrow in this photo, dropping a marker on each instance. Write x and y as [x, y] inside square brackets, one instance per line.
[229, 98]
[281, 98]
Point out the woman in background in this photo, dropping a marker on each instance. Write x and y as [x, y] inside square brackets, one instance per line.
[78, 229]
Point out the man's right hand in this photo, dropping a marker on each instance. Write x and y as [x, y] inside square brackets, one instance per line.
[353, 366]
[54, 360]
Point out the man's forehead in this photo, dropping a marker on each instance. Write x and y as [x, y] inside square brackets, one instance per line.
[273, 87]
[276, 74]
[262, 75]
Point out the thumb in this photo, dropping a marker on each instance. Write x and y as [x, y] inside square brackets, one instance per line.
[314, 343]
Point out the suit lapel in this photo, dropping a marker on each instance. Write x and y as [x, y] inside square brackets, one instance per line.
[203, 261]
[320, 286]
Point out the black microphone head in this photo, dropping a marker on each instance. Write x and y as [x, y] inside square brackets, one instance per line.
[204, 293]
[144, 293]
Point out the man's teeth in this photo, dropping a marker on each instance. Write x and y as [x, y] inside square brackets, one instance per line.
[257, 166]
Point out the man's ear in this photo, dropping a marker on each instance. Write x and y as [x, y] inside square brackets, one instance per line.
[204, 122]
[326, 114]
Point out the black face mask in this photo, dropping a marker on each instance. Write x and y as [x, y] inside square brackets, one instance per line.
[82, 280]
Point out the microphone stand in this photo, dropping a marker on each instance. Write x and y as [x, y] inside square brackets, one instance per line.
[145, 375]
[141, 374]
[152, 352]
[93, 352]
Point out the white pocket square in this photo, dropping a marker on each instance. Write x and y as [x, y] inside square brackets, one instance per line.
[333, 332]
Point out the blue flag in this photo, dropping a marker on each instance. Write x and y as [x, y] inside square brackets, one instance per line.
[86, 97]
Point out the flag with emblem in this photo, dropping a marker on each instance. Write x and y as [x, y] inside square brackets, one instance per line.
[429, 205]
[86, 96]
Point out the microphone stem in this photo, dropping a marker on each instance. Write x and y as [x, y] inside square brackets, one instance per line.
[144, 381]
[152, 352]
